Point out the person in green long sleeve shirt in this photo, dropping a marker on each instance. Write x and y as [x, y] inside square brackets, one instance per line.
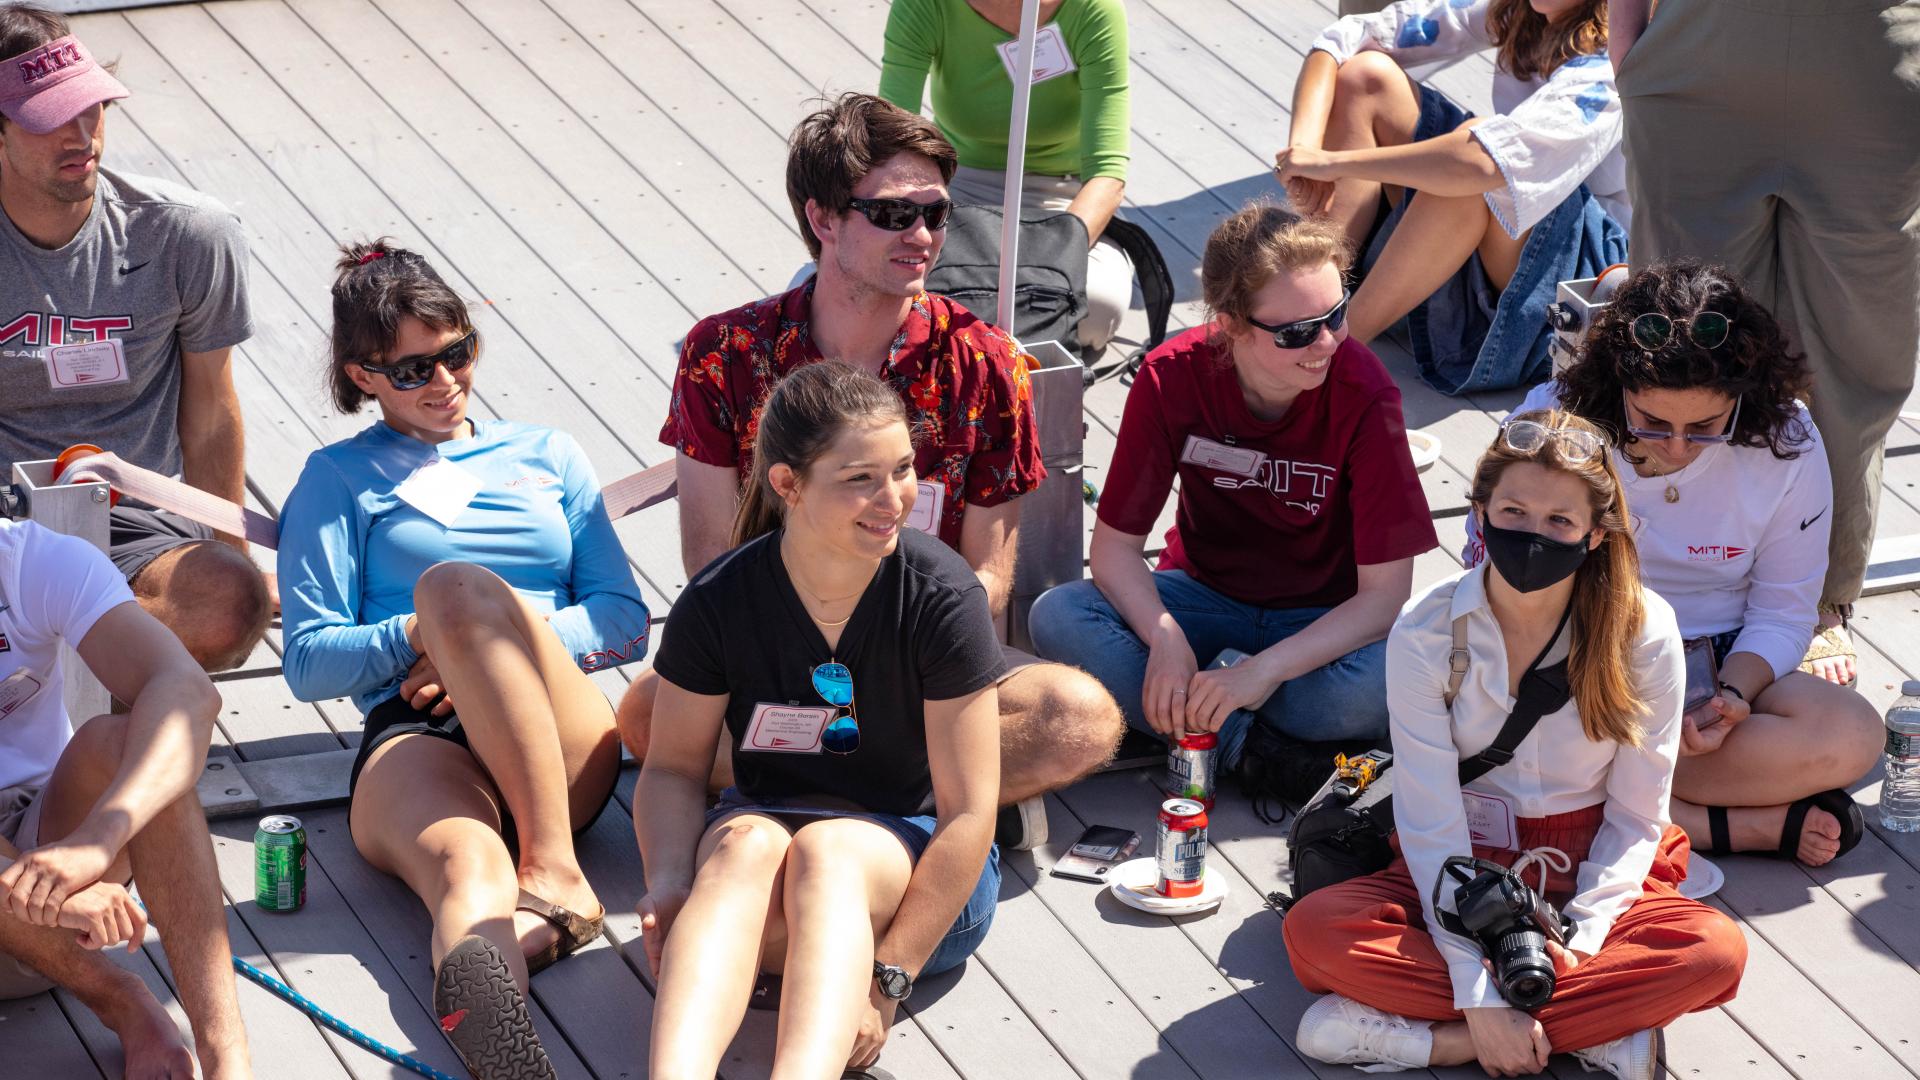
[1077, 139]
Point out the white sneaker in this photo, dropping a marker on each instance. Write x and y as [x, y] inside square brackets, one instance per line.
[1341, 1031]
[1022, 826]
[1633, 1057]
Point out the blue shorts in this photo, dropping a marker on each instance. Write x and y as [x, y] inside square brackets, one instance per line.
[967, 932]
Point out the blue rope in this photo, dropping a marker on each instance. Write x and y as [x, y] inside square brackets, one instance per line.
[360, 1038]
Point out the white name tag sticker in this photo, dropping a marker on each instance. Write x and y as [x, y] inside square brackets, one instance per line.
[787, 729]
[440, 490]
[1490, 820]
[17, 689]
[927, 505]
[95, 363]
[1050, 56]
[1238, 460]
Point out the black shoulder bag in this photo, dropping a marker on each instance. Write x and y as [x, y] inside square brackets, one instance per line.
[1343, 831]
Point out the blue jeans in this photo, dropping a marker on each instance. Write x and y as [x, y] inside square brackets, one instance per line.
[967, 931]
[1346, 699]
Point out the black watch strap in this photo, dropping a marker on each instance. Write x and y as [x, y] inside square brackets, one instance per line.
[894, 982]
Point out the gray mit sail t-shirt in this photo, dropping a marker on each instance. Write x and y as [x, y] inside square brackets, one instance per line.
[159, 268]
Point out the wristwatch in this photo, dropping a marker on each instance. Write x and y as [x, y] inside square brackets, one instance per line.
[894, 982]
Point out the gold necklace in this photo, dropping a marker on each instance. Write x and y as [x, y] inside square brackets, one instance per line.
[823, 603]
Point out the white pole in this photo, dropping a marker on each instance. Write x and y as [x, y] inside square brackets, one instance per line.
[1016, 161]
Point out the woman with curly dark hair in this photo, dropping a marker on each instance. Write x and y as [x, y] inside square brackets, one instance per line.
[1728, 482]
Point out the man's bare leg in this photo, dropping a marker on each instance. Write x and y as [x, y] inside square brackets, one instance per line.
[152, 1045]
[213, 598]
[1057, 724]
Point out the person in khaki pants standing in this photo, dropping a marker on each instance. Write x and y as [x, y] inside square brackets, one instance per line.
[1781, 138]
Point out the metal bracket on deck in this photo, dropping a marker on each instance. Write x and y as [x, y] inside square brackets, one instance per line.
[76, 510]
[1052, 518]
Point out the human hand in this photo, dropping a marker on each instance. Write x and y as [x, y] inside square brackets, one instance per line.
[414, 640]
[1309, 198]
[875, 1021]
[1164, 694]
[40, 881]
[657, 911]
[422, 685]
[1218, 691]
[1706, 727]
[1508, 1042]
[1299, 162]
[106, 915]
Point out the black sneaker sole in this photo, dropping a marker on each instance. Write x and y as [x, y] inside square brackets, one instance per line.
[484, 1015]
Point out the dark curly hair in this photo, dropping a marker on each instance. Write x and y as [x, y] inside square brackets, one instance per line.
[1756, 365]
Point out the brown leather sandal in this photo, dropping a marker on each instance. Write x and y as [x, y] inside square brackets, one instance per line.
[575, 931]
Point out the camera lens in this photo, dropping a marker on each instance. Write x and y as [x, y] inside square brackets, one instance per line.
[1524, 970]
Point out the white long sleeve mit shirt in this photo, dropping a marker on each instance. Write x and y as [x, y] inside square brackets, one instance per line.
[1744, 547]
[1547, 135]
[1555, 770]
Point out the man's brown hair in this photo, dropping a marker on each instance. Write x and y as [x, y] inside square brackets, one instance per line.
[835, 147]
[25, 27]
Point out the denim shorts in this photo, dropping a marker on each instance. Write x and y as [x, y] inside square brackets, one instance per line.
[967, 932]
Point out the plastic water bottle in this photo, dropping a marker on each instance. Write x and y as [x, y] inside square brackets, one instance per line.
[1900, 792]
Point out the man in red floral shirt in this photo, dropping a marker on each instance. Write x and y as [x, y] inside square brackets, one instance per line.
[868, 183]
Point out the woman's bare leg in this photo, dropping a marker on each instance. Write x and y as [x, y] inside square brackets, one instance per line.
[844, 881]
[708, 967]
[1429, 245]
[542, 731]
[1374, 104]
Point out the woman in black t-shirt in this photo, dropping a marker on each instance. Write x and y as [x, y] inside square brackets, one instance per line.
[853, 662]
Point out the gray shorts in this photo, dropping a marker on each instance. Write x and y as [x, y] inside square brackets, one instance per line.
[20, 824]
[136, 537]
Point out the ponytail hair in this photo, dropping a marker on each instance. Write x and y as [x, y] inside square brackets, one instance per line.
[1608, 611]
[803, 416]
[375, 285]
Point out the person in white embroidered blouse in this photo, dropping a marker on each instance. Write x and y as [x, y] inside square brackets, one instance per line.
[1583, 800]
[1704, 389]
[1542, 178]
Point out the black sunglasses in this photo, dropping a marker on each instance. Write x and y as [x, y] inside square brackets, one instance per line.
[898, 215]
[414, 372]
[1299, 335]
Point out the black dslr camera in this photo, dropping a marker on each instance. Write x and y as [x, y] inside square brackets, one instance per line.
[1511, 922]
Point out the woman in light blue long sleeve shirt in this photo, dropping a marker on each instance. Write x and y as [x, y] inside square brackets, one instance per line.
[459, 577]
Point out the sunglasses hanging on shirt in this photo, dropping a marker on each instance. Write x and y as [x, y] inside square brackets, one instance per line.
[834, 683]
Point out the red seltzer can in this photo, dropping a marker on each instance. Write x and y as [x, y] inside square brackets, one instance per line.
[1181, 848]
[1190, 767]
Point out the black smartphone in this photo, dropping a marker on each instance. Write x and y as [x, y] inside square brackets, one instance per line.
[1703, 675]
[1093, 856]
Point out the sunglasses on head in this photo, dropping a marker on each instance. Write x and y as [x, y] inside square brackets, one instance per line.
[898, 215]
[1708, 329]
[834, 683]
[414, 372]
[1299, 335]
[1577, 447]
[1656, 435]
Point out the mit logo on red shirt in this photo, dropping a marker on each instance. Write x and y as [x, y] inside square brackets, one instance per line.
[1713, 553]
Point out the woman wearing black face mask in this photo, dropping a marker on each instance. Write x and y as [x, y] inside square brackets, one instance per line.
[1583, 801]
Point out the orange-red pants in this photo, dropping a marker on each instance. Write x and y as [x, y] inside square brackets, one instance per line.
[1666, 956]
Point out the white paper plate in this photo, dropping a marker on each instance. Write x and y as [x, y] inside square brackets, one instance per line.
[1703, 878]
[1133, 881]
[1425, 449]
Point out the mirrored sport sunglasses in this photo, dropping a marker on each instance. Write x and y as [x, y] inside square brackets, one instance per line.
[414, 372]
[834, 683]
[1299, 335]
[1708, 329]
[1577, 447]
[898, 215]
[1660, 435]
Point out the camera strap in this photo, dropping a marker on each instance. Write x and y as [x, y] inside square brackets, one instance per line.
[1463, 869]
[1542, 690]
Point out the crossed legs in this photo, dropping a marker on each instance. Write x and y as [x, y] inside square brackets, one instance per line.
[171, 863]
[822, 896]
[543, 753]
[1805, 736]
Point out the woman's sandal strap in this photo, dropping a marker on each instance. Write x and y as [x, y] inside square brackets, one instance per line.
[1717, 828]
[576, 931]
[1790, 830]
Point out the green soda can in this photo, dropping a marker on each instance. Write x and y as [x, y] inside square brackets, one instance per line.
[280, 863]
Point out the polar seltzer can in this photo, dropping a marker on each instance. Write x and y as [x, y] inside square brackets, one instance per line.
[1190, 767]
[1181, 849]
[280, 863]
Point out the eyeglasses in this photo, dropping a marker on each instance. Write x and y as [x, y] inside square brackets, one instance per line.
[414, 372]
[1299, 335]
[834, 683]
[1577, 447]
[1708, 329]
[1653, 435]
[898, 215]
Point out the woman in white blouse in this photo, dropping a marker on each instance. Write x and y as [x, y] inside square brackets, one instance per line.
[1507, 204]
[1727, 479]
[1581, 808]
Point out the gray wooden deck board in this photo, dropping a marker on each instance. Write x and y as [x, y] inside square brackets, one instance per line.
[36, 1029]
